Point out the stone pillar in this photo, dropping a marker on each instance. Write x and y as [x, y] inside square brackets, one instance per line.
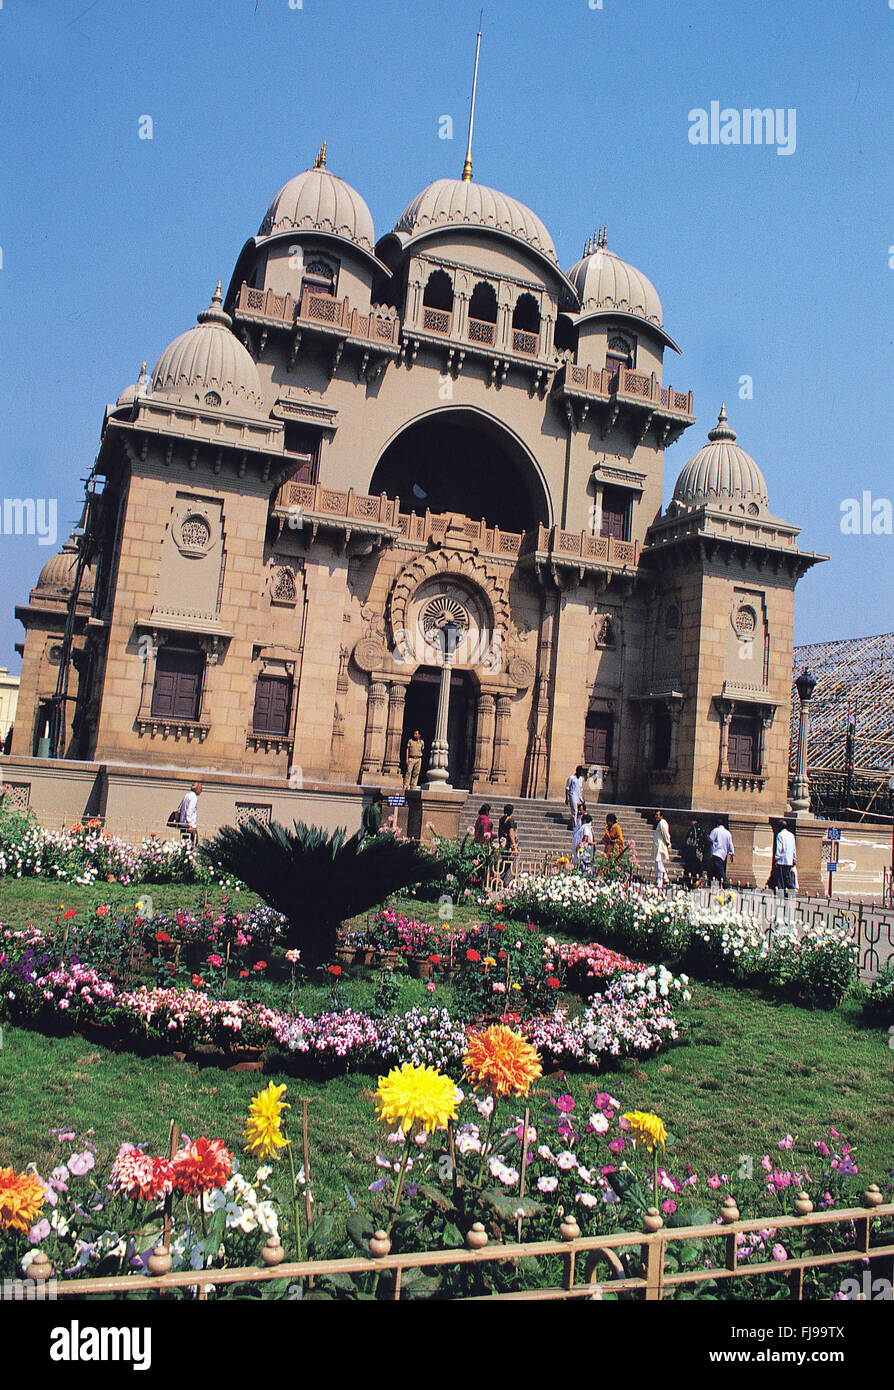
[374, 736]
[484, 737]
[397, 693]
[675, 709]
[766, 718]
[501, 739]
[725, 710]
[437, 770]
[800, 795]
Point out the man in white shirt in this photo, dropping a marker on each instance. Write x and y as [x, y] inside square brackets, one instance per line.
[189, 811]
[722, 850]
[582, 840]
[661, 844]
[785, 857]
[574, 794]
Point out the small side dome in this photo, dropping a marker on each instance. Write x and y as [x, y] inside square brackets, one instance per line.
[604, 283]
[722, 475]
[317, 201]
[455, 202]
[57, 576]
[208, 365]
[138, 388]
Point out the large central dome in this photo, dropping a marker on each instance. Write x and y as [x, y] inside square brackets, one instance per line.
[455, 202]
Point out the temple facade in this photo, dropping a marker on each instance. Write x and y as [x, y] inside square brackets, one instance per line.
[415, 482]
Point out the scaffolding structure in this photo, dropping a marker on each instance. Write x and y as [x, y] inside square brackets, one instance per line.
[850, 749]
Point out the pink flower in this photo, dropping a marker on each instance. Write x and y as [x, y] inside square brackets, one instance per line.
[598, 1124]
[79, 1164]
[779, 1252]
[214, 960]
[714, 1181]
[498, 988]
[565, 1104]
[430, 987]
[786, 1143]
[547, 1184]
[668, 1206]
[39, 1232]
[616, 1145]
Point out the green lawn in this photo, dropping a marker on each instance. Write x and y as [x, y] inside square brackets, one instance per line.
[750, 1071]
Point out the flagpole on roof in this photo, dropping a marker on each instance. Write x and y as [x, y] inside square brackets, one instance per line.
[467, 167]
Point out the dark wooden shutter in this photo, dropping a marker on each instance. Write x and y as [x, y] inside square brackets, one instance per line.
[662, 747]
[178, 684]
[598, 739]
[273, 705]
[615, 507]
[742, 745]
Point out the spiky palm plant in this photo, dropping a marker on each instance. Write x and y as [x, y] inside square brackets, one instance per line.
[317, 880]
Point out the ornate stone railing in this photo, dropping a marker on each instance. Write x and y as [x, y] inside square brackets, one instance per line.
[481, 332]
[625, 382]
[524, 342]
[487, 538]
[316, 500]
[436, 320]
[578, 545]
[322, 310]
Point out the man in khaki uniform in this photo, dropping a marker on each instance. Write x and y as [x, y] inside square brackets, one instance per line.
[415, 749]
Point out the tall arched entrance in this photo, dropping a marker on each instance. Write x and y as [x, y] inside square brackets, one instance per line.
[460, 460]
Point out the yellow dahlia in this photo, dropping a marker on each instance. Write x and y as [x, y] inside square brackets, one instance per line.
[501, 1061]
[647, 1129]
[410, 1096]
[21, 1198]
[263, 1130]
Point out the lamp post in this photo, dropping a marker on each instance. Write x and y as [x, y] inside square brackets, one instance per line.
[805, 686]
[447, 637]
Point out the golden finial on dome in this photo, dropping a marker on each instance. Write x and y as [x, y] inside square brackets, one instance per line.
[320, 161]
[217, 294]
[467, 166]
[142, 369]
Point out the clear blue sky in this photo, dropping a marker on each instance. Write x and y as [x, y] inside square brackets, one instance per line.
[770, 265]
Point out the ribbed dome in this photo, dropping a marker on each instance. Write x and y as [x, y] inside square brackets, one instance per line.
[57, 575]
[317, 201]
[451, 202]
[209, 366]
[604, 282]
[723, 475]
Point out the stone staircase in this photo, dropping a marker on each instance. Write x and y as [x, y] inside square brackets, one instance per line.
[544, 828]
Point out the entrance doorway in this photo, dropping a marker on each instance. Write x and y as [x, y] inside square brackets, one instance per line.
[421, 710]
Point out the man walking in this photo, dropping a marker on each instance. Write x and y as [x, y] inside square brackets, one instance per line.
[189, 814]
[574, 794]
[415, 750]
[661, 844]
[722, 850]
[785, 858]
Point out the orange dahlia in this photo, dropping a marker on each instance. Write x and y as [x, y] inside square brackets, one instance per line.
[21, 1198]
[501, 1061]
[203, 1165]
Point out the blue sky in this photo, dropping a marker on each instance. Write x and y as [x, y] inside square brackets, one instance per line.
[775, 266]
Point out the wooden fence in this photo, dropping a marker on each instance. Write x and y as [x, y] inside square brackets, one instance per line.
[592, 1265]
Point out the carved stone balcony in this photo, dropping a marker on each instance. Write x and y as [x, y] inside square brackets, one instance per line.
[310, 507]
[625, 395]
[375, 336]
[551, 549]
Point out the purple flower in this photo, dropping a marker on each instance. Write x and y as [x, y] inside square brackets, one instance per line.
[379, 1185]
[779, 1253]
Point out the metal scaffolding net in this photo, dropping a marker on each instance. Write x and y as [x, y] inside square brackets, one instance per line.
[850, 748]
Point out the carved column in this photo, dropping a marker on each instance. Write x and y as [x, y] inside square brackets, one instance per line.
[675, 709]
[484, 737]
[501, 739]
[374, 736]
[766, 723]
[460, 314]
[397, 694]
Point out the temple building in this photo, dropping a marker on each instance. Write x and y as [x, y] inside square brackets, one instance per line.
[415, 482]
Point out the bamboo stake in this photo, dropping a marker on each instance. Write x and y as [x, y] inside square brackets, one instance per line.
[169, 1199]
[524, 1152]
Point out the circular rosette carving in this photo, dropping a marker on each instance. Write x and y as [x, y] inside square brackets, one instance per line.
[370, 654]
[521, 672]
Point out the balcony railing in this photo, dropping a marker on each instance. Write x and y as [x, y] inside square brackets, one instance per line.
[322, 310]
[579, 545]
[625, 382]
[481, 332]
[487, 538]
[317, 500]
[524, 342]
[436, 320]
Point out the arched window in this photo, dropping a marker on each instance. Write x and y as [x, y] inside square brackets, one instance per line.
[437, 302]
[319, 277]
[526, 325]
[620, 353]
[483, 313]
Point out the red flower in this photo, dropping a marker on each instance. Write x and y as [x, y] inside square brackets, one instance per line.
[510, 1018]
[473, 956]
[434, 960]
[198, 981]
[553, 982]
[70, 913]
[161, 936]
[501, 955]
[102, 910]
[498, 907]
[205, 1164]
[243, 974]
[335, 970]
[261, 965]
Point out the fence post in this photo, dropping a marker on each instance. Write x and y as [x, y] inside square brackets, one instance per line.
[653, 1254]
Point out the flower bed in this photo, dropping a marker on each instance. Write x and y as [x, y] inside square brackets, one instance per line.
[812, 964]
[85, 853]
[633, 1017]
